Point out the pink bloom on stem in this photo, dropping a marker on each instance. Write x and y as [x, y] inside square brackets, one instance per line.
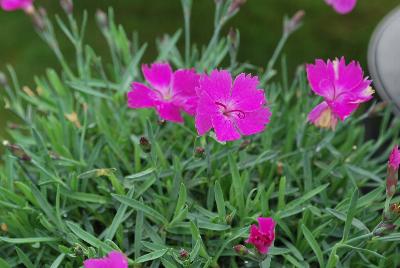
[263, 235]
[169, 92]
[394, 158]
[393, 169]
[11, 5]
[342, 6]
[114, 259]
[343, 87]
[232, 110]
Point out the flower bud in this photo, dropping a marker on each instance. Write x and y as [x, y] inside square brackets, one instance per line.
[183, 254]
[199, 152]
[145, 144]
[67, 5]
[294, 23]
[17, 151]
[384, 228]
[241, 249]
[3, 80]
[235, 6]
[102, 20]
[279, 168]
[392, 172]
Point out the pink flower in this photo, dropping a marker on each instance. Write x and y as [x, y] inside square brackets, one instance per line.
[262, 236]
[114, 259]
[11, 5]
[394, 158]
[393, 170]
[343, 88]
[170, 92]
[342, 6]
[232, 110]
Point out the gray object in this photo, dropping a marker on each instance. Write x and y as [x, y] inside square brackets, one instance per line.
[384, 59]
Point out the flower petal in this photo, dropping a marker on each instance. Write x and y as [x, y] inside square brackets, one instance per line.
[217, 85]
[206, 108]
[321, 76]
[266, 225]
[184, 87]
[254, 122]
[169, 111]
[322, 116]
[141, 96]
[224, 128]
[159, 75]
[245, 93]
[342, 6]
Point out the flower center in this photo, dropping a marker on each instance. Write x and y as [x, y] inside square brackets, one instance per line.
[229, 112]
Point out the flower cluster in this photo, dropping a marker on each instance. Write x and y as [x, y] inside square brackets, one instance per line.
[236, 107]
[393, 169]
[230, 108]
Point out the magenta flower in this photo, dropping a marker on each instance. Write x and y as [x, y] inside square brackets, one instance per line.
[394, 158]
[263, 235]
[232, 110]
[342, 6]
[114, 259]
[393, 170]
[170, 92]
[11, 5]
[343, 88]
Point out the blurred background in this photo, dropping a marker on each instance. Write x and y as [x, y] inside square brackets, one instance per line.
[325, 34]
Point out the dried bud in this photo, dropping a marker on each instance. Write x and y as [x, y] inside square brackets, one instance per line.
[54, 155]
[4, 227]
[17, 151]
[3, 80]
[235, 6]
[241, 249]
[279, 168]
[145, 144]
[199, 152]
[294, 23]
[102, 20]
[183, 254]
[67, 5]
[161, 122]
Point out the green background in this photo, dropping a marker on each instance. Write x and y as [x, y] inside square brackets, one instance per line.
[324, 34]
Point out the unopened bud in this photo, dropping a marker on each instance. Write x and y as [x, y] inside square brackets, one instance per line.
[229, 218]
[3, 80]
[67, 5]
[235, 6]
[145, 144]
[183, 254]
[17, 151]
[38, 18]
[241, 249]
[294, 23]
[384, 228]
[279, 168]
[161, 122]
[233, 38]
[102, 20]
[199, 152]
[392, 172]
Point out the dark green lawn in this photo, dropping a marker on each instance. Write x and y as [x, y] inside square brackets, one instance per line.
[324, 34]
